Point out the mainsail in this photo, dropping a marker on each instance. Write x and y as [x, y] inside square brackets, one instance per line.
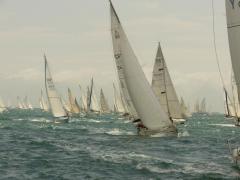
[163, 88]
[20, 104]
[184, 109]
[104, 108]
[133, 83]
[2, 106]
[233, 26]
[54, 99]
[28, 105]
[83, 99]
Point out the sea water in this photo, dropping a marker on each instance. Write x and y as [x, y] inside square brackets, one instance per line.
[108, 147]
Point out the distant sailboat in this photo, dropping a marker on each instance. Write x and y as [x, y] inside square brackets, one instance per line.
[135, 87]
[104, 108]
[74, 107]
[54, 99]
[2, 106]
[66, 106]
[163, 87]
[118, 102]
[83, 100]
[19, 103]
[27, 104]
[233, 26]
[184, 109]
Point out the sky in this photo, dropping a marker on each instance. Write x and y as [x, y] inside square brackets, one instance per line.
[75, 35]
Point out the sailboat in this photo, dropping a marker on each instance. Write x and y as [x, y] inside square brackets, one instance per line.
[83, 100]
[66, 106]
[74, 107]
[104, 107]
[2, 106]
[19, 103]
[92, 104]
[152, 119]
[54, 100]
[184, 109]
[28, 105]
[163, 88]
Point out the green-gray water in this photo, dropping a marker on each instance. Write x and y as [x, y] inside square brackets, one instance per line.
[107, 147]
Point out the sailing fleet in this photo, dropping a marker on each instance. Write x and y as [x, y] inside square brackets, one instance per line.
[154, 108]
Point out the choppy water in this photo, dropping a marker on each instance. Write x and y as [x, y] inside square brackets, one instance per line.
[31, 147]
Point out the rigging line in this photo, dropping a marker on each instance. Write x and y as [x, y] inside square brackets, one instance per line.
[215, 45]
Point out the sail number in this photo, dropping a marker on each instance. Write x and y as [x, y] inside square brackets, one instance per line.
[233, 3]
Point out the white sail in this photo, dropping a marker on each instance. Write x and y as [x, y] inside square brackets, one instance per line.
[19, 103]
[54, 99]
[88, 100]
[104, 108]
[66, 105]
[197, 107]
[2, 106]
[73, 103]
[233, 25]
[203, 106]
[163, 88]
[24, 105]
[95, 105]
[27, 104]
[40, 104]
[133, 83]
[118, 101]
[184, 109]
[92, 102]
[83, 99]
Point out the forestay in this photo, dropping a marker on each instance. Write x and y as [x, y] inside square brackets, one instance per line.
[233, 25]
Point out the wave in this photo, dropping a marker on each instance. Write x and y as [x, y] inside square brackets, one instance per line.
[41, 120]
[184, 134]
[223, 125]
[118, 132]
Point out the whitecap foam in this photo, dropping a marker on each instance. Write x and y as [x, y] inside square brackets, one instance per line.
[118, 132]
[155, 169]
[223, 125]
[184, 134]
[41, 120]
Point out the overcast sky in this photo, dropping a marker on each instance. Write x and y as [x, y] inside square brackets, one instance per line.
[75, 35]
